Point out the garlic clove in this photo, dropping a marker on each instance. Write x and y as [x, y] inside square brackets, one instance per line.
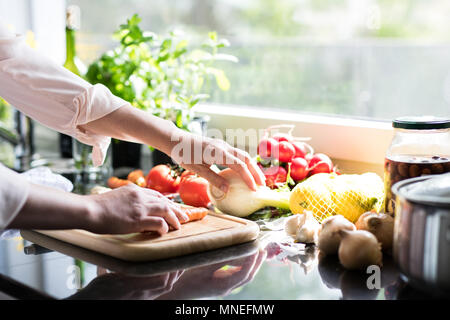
[292, 224]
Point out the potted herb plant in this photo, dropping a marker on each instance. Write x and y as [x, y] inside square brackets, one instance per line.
[163, 75]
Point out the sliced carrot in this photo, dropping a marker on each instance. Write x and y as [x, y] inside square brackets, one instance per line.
[115, 182]
[194, 213]
[137, 177]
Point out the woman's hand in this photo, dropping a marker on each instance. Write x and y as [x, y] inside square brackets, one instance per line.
[191, 151]
[134, 209]
[115, 286]
[123, 210]
[214, 280]
[198, 153]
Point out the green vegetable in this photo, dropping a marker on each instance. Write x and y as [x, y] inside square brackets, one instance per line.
[160, 74]
[269, 213]
[241, 201]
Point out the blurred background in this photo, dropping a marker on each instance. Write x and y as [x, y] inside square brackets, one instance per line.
[364, 58]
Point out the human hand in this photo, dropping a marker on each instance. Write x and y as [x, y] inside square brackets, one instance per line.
[117, 286]
[197, 153]
[133, 209]
[217, 279]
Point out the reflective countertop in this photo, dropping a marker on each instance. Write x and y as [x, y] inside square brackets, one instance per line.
[255, 270]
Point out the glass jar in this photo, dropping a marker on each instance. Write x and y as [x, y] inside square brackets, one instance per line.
[421, 146]
[87, 176]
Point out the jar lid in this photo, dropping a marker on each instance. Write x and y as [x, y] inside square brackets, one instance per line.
[421, 123]
[431, 190]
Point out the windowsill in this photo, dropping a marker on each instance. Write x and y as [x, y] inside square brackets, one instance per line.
[355, 145]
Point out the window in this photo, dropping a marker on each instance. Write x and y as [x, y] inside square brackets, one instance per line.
[365, 58]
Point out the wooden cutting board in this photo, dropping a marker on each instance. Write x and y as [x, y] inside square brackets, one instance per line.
[214, 231]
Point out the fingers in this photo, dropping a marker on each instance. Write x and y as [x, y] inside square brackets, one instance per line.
[241, 168]
[160, 206]
[165, 211]
[240, 162]
[156, 224]
[234, 163]
[256, 172]
[183, 217]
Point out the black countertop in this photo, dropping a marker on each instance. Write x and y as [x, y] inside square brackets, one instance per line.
[256, 270]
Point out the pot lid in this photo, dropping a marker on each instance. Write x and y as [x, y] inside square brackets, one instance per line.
[433, 190]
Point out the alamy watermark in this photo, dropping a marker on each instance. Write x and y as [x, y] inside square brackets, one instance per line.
[374, 280]
[214, 147]
[74, 279]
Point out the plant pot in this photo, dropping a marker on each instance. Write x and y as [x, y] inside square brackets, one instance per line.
[198, 125]
[159, 157]
[126, 154]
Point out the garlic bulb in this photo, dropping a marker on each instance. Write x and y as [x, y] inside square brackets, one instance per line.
[309, 231]
[292, 223]
[303, 227]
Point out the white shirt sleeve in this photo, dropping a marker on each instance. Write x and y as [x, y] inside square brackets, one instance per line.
[53, 95]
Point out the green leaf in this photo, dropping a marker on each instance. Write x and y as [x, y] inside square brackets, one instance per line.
[225, 57]
[179, 119]
[166, 44]
[163, 56]
[160, 73]
[221, 79]
[212, 35]
[181, 45]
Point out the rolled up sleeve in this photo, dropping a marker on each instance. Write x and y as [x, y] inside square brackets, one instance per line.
[53, 95]
[14, 189]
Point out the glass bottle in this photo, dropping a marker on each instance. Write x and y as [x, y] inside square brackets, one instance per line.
[73, 64]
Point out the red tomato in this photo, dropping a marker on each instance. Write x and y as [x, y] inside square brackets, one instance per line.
[299, 169]
[301, 149]
[287, 151]
[274, 175]
[283, 137]
[193, 191]
[186, 174]
[268, 147]
[320, 163]
[163, 179]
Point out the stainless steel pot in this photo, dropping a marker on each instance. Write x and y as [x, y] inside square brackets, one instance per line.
[422, 235]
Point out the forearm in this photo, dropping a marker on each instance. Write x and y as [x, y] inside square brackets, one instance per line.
[131, 124]
[48, 208]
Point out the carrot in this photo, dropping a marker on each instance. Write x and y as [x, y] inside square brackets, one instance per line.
[193, 213]
[137, 177]
[115, 182]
